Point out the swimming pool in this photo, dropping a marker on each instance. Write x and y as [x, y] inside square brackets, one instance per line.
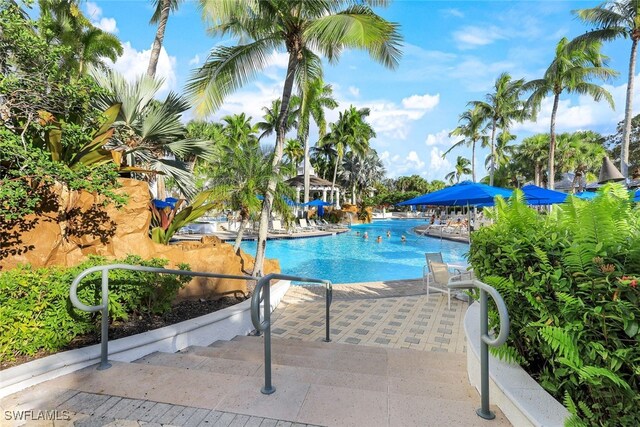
[348, 258]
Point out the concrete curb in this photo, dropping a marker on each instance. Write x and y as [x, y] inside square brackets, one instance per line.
[221, 325]
[523, 401]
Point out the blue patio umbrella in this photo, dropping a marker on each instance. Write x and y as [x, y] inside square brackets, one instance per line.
[319, 204]
[535, 195]
[586, 195]
[462, 194]
[636, 197]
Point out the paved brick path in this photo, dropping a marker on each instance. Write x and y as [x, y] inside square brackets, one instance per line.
[390, 314]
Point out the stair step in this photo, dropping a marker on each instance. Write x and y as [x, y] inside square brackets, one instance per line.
[201, 363]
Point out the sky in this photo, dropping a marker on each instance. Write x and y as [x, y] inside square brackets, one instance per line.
[453, 51]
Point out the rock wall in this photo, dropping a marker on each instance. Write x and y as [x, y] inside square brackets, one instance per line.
[71, 225]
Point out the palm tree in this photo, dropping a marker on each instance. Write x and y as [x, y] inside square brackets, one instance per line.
[570, 71]
[63, 22]
[314, 97]
[268, 126]
[581, 153]
[148, 133]
[461, 168]
[293, 151]
[617, 19]
[323, 158]
[502, 152]
[350, 132]
[501, 108]
[471, 129]
[160, 17]
[238, 129]
[534, 151]
[361, 172]
[303, 27]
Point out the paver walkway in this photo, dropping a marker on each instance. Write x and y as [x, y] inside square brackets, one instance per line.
[395, 314]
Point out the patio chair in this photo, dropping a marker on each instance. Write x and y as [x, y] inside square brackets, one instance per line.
[304, 226]
[430, 256]
[439, 278]
[276, 227]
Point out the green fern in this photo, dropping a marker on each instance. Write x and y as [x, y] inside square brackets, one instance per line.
[562, 343]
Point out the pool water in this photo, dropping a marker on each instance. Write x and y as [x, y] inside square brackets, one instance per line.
[349, 258]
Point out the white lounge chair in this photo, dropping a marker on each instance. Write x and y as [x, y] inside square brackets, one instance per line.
[304, 226]
[276, 227]
[439, 278]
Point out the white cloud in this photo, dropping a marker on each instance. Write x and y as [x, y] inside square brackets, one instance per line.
[471, 37]
[195, 60]
[453, 12]
[414, 159]
[134, 63]
[441, 139]
[94, 13]
[438, 166]
[278, 59]
[421, 102]
[354, 91]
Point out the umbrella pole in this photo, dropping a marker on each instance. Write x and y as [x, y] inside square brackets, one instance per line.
[469, 222]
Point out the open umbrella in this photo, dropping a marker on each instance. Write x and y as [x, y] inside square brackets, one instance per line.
[320, 204]
[586, 195]
[466, 193]
[535, 195]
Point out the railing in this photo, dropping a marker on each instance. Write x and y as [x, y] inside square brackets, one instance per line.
[485, 339]
[262, 292]
[104, 307]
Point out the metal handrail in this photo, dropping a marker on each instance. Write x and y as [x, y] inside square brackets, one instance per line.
[485, 339]
[262, 291]
[104, 307]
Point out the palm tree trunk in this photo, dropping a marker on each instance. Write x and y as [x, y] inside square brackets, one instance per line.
[333, 183]
[157, 42]
[473, 161]
[267, 203]
[626, 134]
[353, 194]
[243, 225]
[536, 174]
[552, 144]
[493, 139]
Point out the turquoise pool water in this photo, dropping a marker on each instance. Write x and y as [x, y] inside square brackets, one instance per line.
[348, 258]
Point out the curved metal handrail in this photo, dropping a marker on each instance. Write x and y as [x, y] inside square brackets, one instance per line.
[104, 307]
[485, 339]
[263, 292]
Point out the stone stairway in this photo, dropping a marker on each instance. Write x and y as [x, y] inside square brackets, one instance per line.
[316, 383]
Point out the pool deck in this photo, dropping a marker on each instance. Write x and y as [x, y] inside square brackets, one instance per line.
[251, 235]
[394, 324]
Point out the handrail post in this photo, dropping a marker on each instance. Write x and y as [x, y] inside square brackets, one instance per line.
[328, 294]
[266, 288]
[484, 411]
[104, 334]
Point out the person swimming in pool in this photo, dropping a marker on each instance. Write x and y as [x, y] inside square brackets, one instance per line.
[403, 239]
[379, 239]
[388, 233]
[365, 235]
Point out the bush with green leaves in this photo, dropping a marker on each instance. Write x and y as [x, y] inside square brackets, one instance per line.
[36, 313]
[569, 279]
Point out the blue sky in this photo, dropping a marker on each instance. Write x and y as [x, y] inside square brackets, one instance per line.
[453, 52]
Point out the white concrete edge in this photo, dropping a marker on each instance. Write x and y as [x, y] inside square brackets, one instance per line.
[220, 325]
[522, 400]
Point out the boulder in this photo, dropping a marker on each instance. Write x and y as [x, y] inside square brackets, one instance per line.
[72, 225]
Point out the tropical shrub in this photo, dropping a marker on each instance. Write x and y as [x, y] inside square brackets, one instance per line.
[36, 313]
[569, 280]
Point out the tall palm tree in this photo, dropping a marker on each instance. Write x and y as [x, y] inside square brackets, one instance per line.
[461, 168]
[361, 172]
[323, 158]
[314, 97]
[501, 108]
[617, 19]
[160, 17]
[302, 27]
[471, 129]
[149, 134]
[349, 132]
[570, 71]
[238, 129]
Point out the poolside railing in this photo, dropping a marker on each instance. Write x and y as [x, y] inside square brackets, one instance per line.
[262, 292]
[485, 339]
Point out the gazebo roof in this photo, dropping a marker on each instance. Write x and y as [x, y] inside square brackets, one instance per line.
[314, 181]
